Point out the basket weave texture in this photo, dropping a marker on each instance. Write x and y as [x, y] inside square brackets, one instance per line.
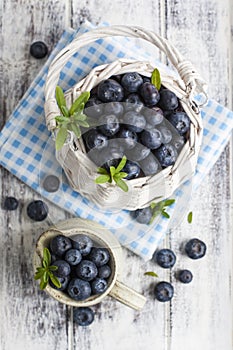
[80, 170]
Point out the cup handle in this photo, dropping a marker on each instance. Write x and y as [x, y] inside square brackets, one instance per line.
[127, 296]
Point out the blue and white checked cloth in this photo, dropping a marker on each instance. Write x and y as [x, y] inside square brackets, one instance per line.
[27, 149]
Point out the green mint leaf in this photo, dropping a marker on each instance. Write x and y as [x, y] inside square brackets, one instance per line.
[38, 275]
[76, 129]
[102, 179]
[55, 280]
[43, 284]
[53, 268]
[165, 214]
[112, 171]
[120, 175]
[83, 123]
[61, 137]
[154, 215]
[151, 273]
[61, 119]
[190, 217]
[47, 256]
[121, 164]
[102, 171]
[65, 111]
[45, 277]
[83, 98]
[60, 97]
[168, 202]
[80, 116]
[156, 79]
[122, 184]
[38, 269]
[79, 108]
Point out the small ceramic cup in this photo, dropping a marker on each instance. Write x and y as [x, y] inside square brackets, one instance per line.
[101, 237]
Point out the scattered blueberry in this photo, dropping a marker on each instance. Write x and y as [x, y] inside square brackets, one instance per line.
[109, 124]
[63, 268]
[104, 271]
[94, 108]
[185, 276]
[166, 134]
[180, 121]
[79, 289]
[10, 203]
[166, 155]
[150, 94]
[73, 256]
[83, 243]
[129, 138]
[60, 244]
[168, 100]
[51, 183]
[138, 153]
[38, 49]
[134, 121]
[110, 90]
[37, 210]
[150, 165]
[95, 139]
[86, 270]
[131, 81]
[99, 285]
[83, 316]
[164, 291]
[100, 256]
[133, 102]
[165, 258]
[143, 216]
[154, 115]
[64, 283]
[115, 108]
[151, 138]
[195, 248]
[132, 169]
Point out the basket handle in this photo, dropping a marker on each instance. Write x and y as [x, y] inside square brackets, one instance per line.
[192, 80]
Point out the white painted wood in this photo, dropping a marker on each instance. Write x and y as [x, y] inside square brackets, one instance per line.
[199, 316]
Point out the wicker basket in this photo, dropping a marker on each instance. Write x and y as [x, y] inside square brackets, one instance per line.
[80, 170]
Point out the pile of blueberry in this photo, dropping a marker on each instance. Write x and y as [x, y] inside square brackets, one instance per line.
[166, 258]
[129, 116]
[82, 269]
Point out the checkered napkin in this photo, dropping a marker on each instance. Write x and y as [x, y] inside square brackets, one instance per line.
[27, 148]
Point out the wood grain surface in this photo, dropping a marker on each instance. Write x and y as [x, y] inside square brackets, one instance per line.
[200, 314]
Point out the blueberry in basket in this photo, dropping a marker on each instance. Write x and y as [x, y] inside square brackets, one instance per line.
[75, 266]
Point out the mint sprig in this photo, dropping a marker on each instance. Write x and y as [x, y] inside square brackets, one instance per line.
[156, 79]
[114, 175]
[70, 119]
[45, 272]
[160, 209]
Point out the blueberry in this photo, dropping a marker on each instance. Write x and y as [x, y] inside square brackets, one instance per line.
[168, 100]
[95, 139]
[132, 169]
[178, 142]
[73, 256]
[150, 94]
[109, 124]
[86, 270]
[115, 108]
[94, 108]
[164, 291]
[60, 244]
[166, 134]
[129, 138]
[166, 155]
[195, 248]
[165, 258]
[180, 121]
[38, 49]
[138, 153]
[154, 115]
[63, 268]
[133, 102]
[131, 81]
[185, 276]
[110, 90]
[150, 165]
[100, 256]
[10, 203]
[37, 210]
[64, 283]
[143, 216]
[79, 289]
[111, 154]
[51, 183]
[83, 316]
[83, 243]
[104, 271]
[134, 121]
[99, 285]
[151, 138]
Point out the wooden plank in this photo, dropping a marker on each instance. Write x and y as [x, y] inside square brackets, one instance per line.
[30, 319]
[200, 314]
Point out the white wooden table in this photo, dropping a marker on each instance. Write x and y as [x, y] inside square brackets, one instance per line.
[199, 315]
